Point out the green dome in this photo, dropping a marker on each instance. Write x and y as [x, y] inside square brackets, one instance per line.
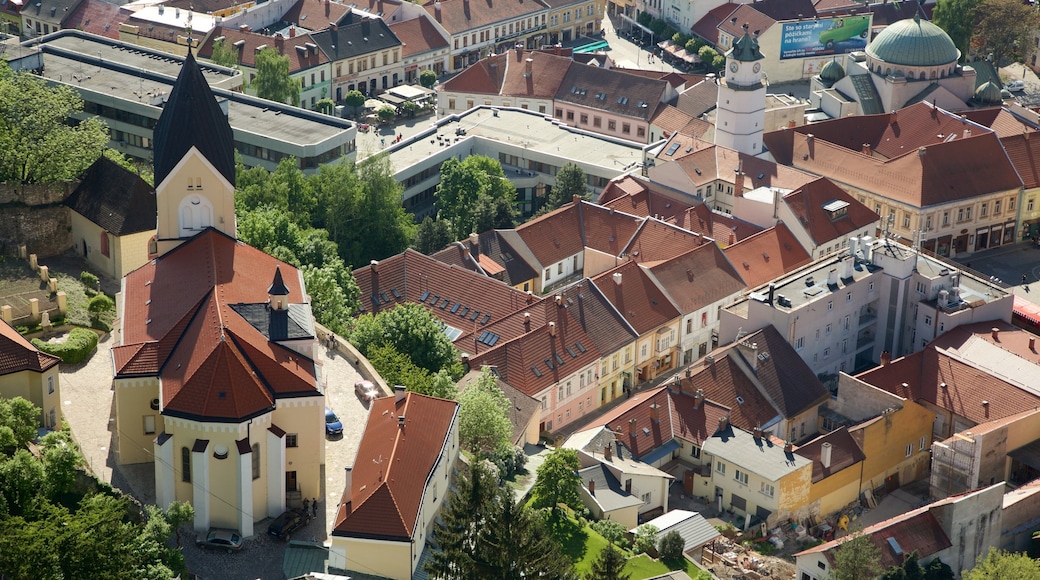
[914, 42]
[988, 93]
[832, 71]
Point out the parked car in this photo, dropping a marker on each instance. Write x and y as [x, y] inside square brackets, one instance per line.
[1015, 86]
[221, 539]
[844, 29]
[333, 426]
[366, 390]
[288, 523]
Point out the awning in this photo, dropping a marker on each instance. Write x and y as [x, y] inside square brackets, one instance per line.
[1026, 310]
[635, 24]
[601, 45]
[660, 453]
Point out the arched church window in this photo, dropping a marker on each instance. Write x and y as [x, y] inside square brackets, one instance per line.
[196, 214]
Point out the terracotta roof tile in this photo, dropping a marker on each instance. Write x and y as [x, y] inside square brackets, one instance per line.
[642, 199]
[315, 15]
[418, 35]
[637, 297]
[605, 229]
[721, 227]
[708, 26]
[555, 235]
[457, 16]
[829, 6]
[845, 452]
[530, 362]
[1024, 154]
[671, 119]
[97, 17]
[767, 255]
[178, 324]
[698, 278]
[484, 77]
[612, 90]
[300, 57]
[700, 98]
[657, 240]
[392, 466]
[807, 202]
[755, 20]
[1000, 120]
[18, 354]
[914, 531]
[114, 198]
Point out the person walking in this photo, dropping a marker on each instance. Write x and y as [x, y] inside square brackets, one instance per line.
[314, 507]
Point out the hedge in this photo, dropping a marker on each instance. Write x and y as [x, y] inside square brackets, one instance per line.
[77, 347]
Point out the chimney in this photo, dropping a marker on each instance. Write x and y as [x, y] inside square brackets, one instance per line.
[474, 246]
[631, 427]
[437, 9]
[654, 414]
[698, 398]
[1032, 343]
[528, 62]
[921, 151]
[530, 297]
[465, 362]
[750, 351]
[848, 265]
[292, 32]
[738, 184]
[552, 329]
[866, 149]
[617, 278]
[886, 357]
[809, 137]
[349, 479]
[527, 322]
[399, 391]
[559, 300]
[825, 455]
[279, 41]
[788, 447]
[607, 452]
[375, 265]
[772, 289]
[400, 421]
[758, 433]
[995, 333]
[518, 46]
[334, 27]
[592, 487]
[832, 277]
[723, 423]
[558, 49]
[967, 133]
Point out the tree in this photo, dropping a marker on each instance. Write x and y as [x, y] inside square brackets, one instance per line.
[857, 557]
[61, 462]
[1005, 28]
[484, 426]
[557, 481]
[431, 236]
[570, 182]
[467, 510]
[938, 570]
[326, 105]
[474, 196]
[18, 421]
[645, 539]
[409, 108]
[611, 530]
[386, 113]
[178, 514]
[428, 78]
[516, 544]
[610, 565]
[957, 18]
[693, 46]
[354, 99]
[410, 329]
[21, 479]
[382, 227]
[223, 54]
[272, 78]
[672, 546]
[40, 141]
[999, 565]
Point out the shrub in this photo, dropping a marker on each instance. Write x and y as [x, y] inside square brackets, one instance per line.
[671, 546]
[89, 280]
[611, 530]
[77, 347]
[646, 538]
[510, 461]
[100, 303]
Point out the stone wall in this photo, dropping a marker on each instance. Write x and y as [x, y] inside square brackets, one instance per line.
[34, 216]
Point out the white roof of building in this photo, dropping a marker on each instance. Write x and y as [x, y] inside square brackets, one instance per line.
[693, 528]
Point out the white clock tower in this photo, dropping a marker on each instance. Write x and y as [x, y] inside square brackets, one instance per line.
[741, 108]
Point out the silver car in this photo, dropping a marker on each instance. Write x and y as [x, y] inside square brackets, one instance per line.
[221, 539]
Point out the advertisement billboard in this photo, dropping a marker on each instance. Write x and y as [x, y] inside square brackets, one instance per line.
[824, 36]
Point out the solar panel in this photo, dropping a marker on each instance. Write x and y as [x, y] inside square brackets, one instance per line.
[424, 296]
[580, 346]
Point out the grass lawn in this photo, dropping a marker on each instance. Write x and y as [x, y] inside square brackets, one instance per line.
[642, 566]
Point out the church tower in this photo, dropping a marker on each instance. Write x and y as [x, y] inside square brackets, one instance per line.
[741, 108]
[194, 162]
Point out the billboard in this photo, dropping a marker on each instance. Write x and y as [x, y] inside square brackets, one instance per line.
[824, 36]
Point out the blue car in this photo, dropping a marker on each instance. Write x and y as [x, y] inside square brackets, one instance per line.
[333, 426]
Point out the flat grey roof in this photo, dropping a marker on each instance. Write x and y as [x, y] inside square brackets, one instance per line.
[797, 288]
[131, 73]
[533, 132]
[759, 456]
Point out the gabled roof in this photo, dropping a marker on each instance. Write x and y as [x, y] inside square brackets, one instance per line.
[179, 324]
[756, 21]
[720, 163]
[313, 15]
[500, 254]
[641, 198]
[462, 299]
[767, 255]
[700, 98]
[698, 278]
[1024, 154]
[300, 56]
[657, 240]
[886, 13]
[458, 16]
[637, 297]
[605, 489]
[53, 10]
[1000, 120]
[355, 36]
[845, 452]
[418, 35]
[393, 466]
[612, 90]
[97, 17]
[671, 119]
[914, 531]
[18, 354]
[691, 526]
[807, 204]
[505, 74]
[717, 225]
[606, 230]
[190, 118]
[522, 406]
[114, 198]
[708, 26]
[762, 455]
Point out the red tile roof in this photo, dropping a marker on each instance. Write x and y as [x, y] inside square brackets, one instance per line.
[458, 16]
[605, 229]
[845, 452]
[18, 354]
[393, 465]
[505, 74]
[179, 324]
[767, 255]
[746, 14]
[567, 231]
[698, 278]
[300, 56]
[719, 226]
[418, 35]
[657, 240]
[708, 26]
[672, 120]
[315, 14]
[642, 303]
[612, 90]
[97, 17]
[1024, 154]
[641, 198]
[914, 531]
[807, 205]
[1000, 120]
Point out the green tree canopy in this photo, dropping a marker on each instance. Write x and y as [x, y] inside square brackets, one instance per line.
[957, 18]
[1000, 565]
[428, 78]
[18, 421]
[610, 565]
[386, 113]
[38, 142]
[856, 558]
[672, 546]
[645, 538]
[223, 54]
[432, 236]
[474, 196]
[354, 99]
[61, 460]
[557, 481]
[570, 182]
[1004, 29]
[484, 426]
[410, 329]
[272, 78]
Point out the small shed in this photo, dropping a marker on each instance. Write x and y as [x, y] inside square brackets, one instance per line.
[694, 529]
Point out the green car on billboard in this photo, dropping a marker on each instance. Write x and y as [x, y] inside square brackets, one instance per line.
[844, 29]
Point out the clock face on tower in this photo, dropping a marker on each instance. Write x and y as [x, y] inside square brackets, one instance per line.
[733, 66]
[757, 67]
